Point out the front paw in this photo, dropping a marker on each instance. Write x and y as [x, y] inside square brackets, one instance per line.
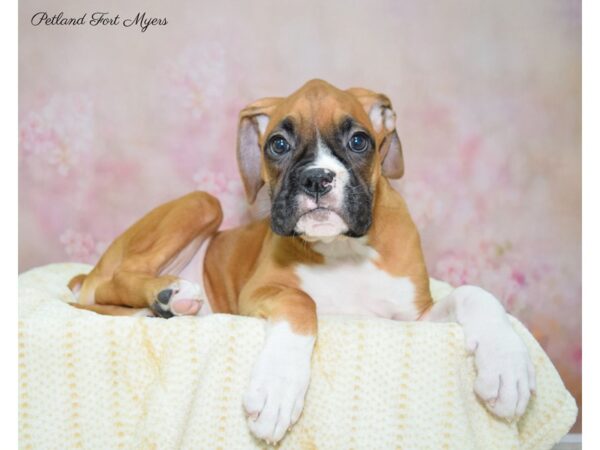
[278, 385]
[505, 373]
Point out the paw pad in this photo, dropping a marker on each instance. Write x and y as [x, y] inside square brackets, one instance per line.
[165, 295]
[181, 298]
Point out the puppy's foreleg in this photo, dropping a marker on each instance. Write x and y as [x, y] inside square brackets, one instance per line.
[505, 374]
[281, 375]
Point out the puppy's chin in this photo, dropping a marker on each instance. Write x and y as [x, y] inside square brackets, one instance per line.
[320, 225]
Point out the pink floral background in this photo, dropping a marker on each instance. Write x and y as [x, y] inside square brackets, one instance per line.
[114, 121]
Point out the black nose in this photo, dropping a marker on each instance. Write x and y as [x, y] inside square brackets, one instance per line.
[316, 182]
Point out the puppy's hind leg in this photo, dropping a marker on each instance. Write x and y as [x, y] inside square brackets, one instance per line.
[140, 269]
[111, 310]
[166, 295]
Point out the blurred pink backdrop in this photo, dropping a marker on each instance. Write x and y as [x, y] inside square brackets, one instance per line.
[114, 121]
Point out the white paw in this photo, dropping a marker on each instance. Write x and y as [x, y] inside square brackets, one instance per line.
[181, 298]
[505, 373]
[280, 378]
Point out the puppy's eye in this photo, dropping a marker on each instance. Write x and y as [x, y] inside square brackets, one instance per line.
[358, 142]
[279, 145]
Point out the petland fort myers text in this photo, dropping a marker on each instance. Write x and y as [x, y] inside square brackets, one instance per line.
[141, 20]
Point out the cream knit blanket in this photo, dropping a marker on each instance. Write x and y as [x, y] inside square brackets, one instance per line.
[96, 382]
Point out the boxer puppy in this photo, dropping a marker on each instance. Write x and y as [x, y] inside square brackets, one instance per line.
[339, 240]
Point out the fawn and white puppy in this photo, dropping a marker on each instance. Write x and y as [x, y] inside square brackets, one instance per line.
[339, 240]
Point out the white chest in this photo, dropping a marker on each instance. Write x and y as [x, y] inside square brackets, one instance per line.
[350, 283]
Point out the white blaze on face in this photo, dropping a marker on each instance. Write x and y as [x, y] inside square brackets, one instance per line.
[324, 224]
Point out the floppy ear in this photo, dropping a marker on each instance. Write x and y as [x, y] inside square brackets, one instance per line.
[254, 119]
[383, 118]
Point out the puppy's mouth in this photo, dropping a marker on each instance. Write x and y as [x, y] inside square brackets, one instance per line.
[320, 224]
[320, 214]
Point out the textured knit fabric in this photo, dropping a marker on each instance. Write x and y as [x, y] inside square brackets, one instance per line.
[96, 382]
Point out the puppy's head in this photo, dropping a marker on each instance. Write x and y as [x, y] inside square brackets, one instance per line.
[320, 152]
